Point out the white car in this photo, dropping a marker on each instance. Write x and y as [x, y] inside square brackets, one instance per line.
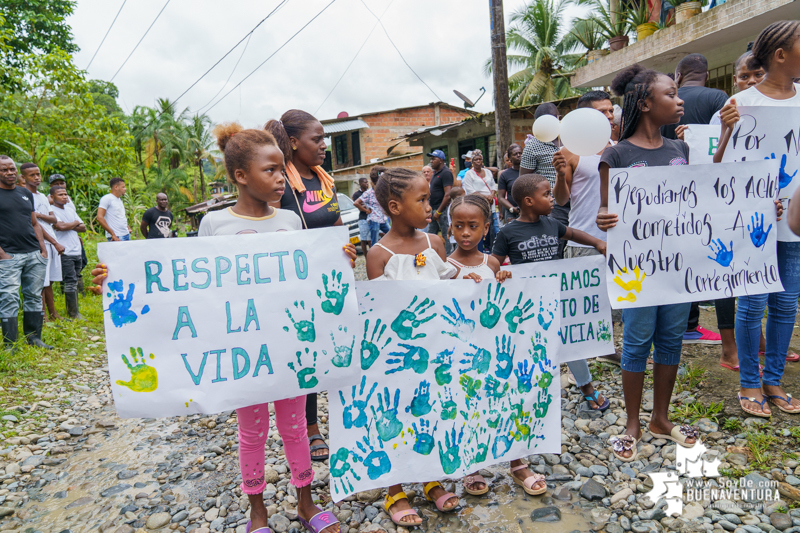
[349, 213]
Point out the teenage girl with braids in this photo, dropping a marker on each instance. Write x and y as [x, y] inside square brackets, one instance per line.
[407, 253]
[650, 101]
[777, 51]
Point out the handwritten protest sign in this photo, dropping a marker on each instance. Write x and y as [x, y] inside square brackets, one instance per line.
[692, 233]
[703, 141]
[457, 376]
[770, 133]
[586, 328]
[210, 324]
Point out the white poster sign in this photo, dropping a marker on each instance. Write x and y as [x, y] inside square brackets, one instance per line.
[456, 376]
[207, 324]
[703, 141]
[586, 328]
[770, 133]
[692, 233]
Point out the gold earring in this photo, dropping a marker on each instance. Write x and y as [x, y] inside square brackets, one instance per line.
[294, 147]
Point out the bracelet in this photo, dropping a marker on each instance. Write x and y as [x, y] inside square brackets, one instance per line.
[438, 212]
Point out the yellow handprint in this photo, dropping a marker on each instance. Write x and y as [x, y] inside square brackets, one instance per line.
[143, 378]
[631, 285]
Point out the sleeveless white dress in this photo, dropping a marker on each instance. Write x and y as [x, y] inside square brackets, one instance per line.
[404, 266]
[483, 270]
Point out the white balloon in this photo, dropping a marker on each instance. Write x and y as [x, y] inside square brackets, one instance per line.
[585, 131]
[546, 128]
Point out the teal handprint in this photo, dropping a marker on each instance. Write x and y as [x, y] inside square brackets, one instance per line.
[305, 376]
[423, 442]
[494, 388]
[479, 361]
[377, 462]
[304, 328]
[344, 353]
[524, 376]
[517, 315]
[471, 388]
[490, 316]
[450, 457]
[449, 407]
[445, 361]
[503, 441]
[603, 331]
[542, 403]
[341, 470]
[369, 348]
[462, 327]
[539, 352]
[505, 356]
[415, 358]
[335, 294]
[543, 321]
[480, 450]
[355, 415]
[408, 320]
[387, 424]
[421, 402]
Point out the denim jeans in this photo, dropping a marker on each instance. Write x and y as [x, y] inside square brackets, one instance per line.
[375, 229]
[26, 271]
[123, 238]
[780, 323]
[662, 326]
[70, 270]
[580, 371]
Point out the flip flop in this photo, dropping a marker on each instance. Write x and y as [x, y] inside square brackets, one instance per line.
[762, 414]
[679, 434]
[315, 447]
[319, 521]
[528, 483]
[399, 515]
[259, 530]
[772, 397]
[624, 443]
[792, 357]
[594, 398]
[472, 479]
[611, 359]
[439, 503]
[730, 367]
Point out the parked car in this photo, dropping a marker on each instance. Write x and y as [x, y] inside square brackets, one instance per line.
[349, 214]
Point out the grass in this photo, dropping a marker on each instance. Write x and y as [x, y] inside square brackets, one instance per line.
[759, 442]
[732, 424]
[691, 379]
[697, 410]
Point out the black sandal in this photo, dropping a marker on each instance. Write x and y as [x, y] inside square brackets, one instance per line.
[315, 447]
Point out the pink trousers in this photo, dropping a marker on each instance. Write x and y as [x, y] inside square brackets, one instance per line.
[290, 418]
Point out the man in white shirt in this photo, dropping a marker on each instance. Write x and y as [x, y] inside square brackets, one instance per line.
[44, 214]
[67, 226]
[111, 213]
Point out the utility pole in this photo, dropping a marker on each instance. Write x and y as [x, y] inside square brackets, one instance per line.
[502, 109]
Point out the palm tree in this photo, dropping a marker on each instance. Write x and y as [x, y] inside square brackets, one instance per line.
[541, 52]
[198, 144]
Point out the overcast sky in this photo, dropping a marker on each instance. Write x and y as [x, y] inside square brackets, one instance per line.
[446, 42]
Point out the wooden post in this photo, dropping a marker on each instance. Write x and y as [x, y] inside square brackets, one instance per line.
[502, 109]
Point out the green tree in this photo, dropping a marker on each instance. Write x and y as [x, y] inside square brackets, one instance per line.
[199, 144]
[105, 94]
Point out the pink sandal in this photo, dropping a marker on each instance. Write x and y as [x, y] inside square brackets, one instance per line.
[399, 515]
[529, 482]
[471, 480]
[442, 499]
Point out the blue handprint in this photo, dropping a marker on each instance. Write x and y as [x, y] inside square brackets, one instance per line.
[387, 425]
[757, 234]
[415, 358]
[450, 458]
[462, 327]
[494, 388]
[358, 408]
[421, 403]
[445, 361]
[551, 305]
[784, 178]
[424, 443]
[407, 320]
[503, 441]
[377, 462]
[723, 255]
[120, 308]
[505, 356]
[369, 348]
[449, 407]
[524, 376]
[341, 470]
[490, 316]
[478, 361]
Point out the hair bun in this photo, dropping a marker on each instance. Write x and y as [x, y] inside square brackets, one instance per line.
[621, 80]
[224, 132]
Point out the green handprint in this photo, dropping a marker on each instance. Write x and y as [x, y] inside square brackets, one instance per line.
[603, 331]
[445, 361]
[478, 455]
[539, 351]
[471, 387]
[490, 316]
[344, 354]
[521, 422]
[305, 328]
[542, 403]
[335, 295]
[449, 408]
[545, 381]
[387, 425]
[143, 378]
[340, 467]
[515, 317]
[495, 389]
[369, 348]
[450, 458]
[305, 376]
[405, 331]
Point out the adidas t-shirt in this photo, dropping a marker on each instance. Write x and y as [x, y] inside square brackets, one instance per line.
[529, 242]
[316, 209]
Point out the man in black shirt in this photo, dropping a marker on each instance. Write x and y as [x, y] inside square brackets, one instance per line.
[699, 102]
[23, 259]
[363, 223]
[441, 182]
[157, 221]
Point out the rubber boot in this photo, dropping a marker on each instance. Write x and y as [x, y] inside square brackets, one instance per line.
[81, 289]
[10, 332]
[32, 328]
[71, 299]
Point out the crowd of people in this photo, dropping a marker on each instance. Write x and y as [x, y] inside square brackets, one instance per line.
[465, 226]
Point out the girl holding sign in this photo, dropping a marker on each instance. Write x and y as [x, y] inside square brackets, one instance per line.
[777, 51]
[650, 101]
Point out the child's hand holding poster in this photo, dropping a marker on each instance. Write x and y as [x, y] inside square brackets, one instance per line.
[692, 233]
[208, 324]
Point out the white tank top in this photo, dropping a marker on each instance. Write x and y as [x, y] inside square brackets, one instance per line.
[585, 198]
[483, 270]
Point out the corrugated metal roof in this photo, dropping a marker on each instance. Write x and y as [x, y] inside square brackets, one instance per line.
[342, 127]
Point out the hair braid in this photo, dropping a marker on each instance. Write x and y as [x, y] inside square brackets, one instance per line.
[781, 34]
[475, 200]
[633, 84]
[392, 184]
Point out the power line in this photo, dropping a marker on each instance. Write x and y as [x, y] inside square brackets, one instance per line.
[272, 55]
[354, 58]
[106, 35]
[229, 77]
[140, 40]
[400, 53]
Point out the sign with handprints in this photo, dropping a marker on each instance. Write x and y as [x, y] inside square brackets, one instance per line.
[692, 233]
[703, 141]
[585, 329]
[455, 376]
[209, 324]
[770, 133]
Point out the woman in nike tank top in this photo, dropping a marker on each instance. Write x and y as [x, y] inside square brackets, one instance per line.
[312, 196]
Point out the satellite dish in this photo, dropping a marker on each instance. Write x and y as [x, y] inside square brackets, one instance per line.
[343, 114]
[467, 102]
